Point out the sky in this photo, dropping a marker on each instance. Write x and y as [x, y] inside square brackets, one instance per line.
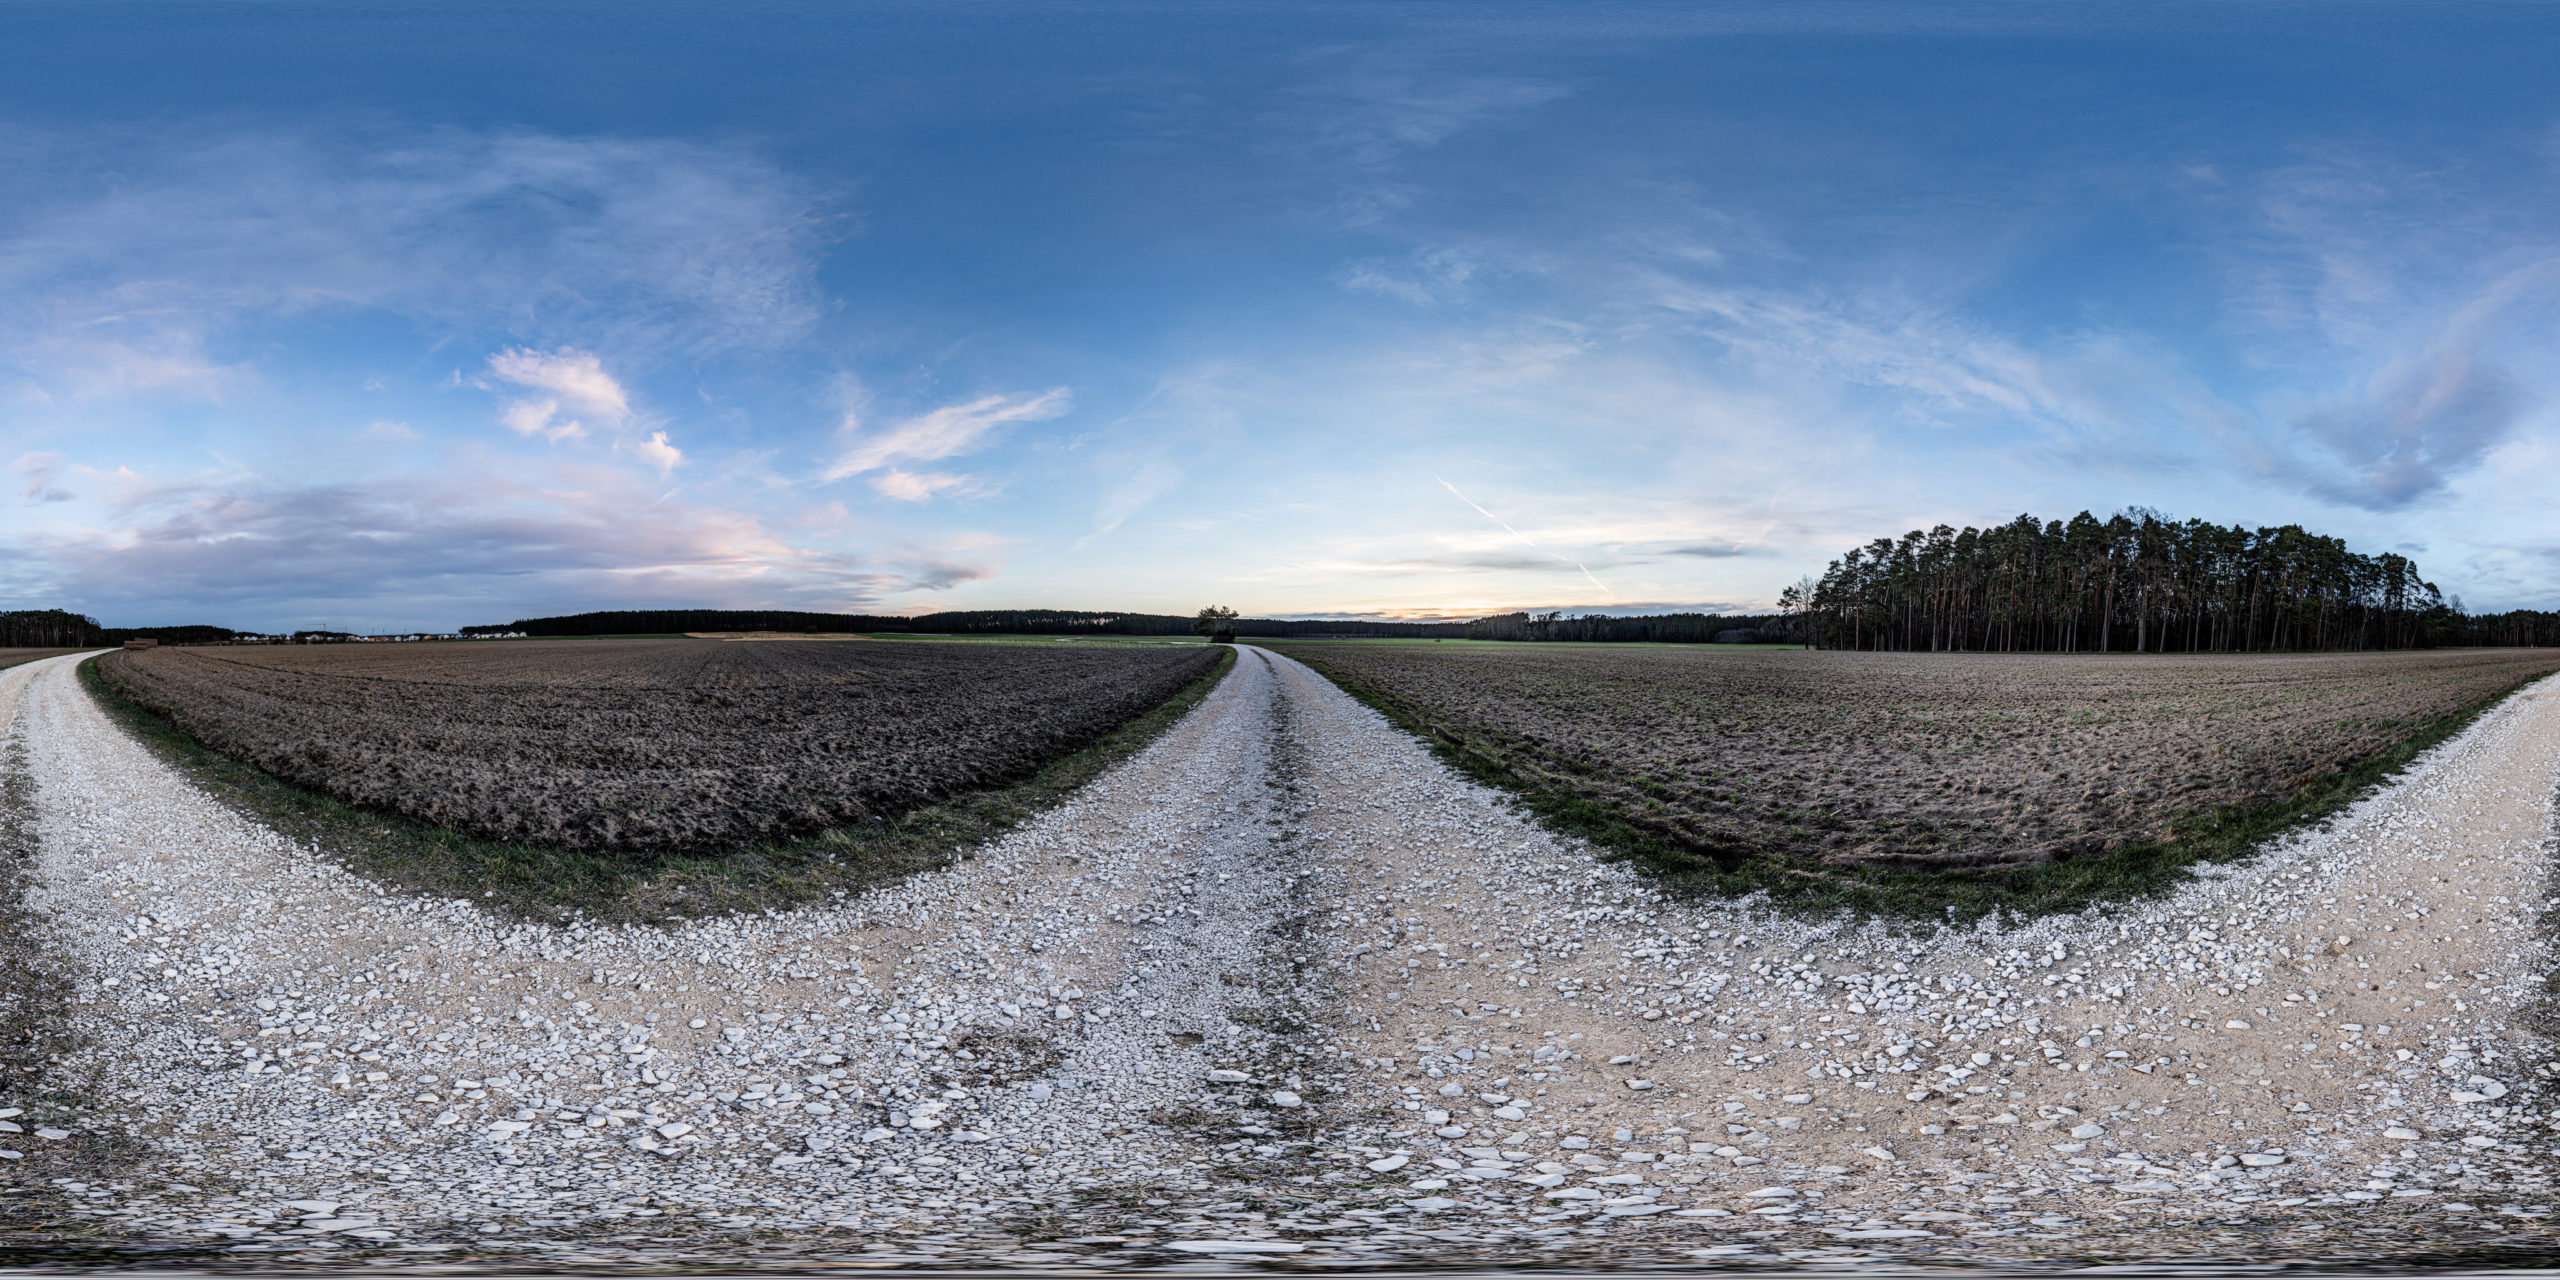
[395, 316]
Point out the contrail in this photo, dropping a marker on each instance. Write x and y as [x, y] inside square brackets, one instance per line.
[1611, 596]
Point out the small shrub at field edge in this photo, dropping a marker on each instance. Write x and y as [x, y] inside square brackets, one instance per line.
[651, 747]
[1723, 766]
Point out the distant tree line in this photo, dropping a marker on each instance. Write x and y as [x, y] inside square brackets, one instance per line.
[2526, 628]
[1303, 628]
[2138, 583]
[48, 629]
[1675, 628]
[1044, 622]
[194, 635]
[1664, 628]
[62, 629]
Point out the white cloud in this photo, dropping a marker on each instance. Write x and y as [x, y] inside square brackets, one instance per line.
[534, 418]
[581, 395]
[577, 377]
[665, 457]
[912, 486]
[943, 433]
[387, 430]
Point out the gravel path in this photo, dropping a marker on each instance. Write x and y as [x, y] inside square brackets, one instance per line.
[1284, 985]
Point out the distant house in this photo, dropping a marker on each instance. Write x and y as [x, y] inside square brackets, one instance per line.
[142, 642]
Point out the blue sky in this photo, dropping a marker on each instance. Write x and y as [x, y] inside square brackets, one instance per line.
[392, 316]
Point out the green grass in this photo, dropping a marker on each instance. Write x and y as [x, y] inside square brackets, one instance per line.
[1802, 886]
[554, 884]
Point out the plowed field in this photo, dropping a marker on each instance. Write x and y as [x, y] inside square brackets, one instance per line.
[1949, 760]
[651, 746]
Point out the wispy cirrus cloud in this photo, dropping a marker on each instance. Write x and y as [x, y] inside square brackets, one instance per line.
[40, 469]
[2430, 308]
[1372, 116]
[937, 434]
[1148, 452]
[2424, 422]
[125, 259]
[923, 486]
[1361, 126]
[1430, 276]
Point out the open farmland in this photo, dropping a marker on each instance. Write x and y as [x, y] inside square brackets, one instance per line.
[651, 746]
[12, 657]
[1280, 956]
[1914, 760]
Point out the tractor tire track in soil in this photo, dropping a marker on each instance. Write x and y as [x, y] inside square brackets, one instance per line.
[1230, 1000]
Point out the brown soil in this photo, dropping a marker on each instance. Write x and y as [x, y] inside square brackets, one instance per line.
[1915, 759]
[650, 746]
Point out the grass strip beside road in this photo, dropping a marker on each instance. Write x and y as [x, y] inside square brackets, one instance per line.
[1806, 887]
[555, 884]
